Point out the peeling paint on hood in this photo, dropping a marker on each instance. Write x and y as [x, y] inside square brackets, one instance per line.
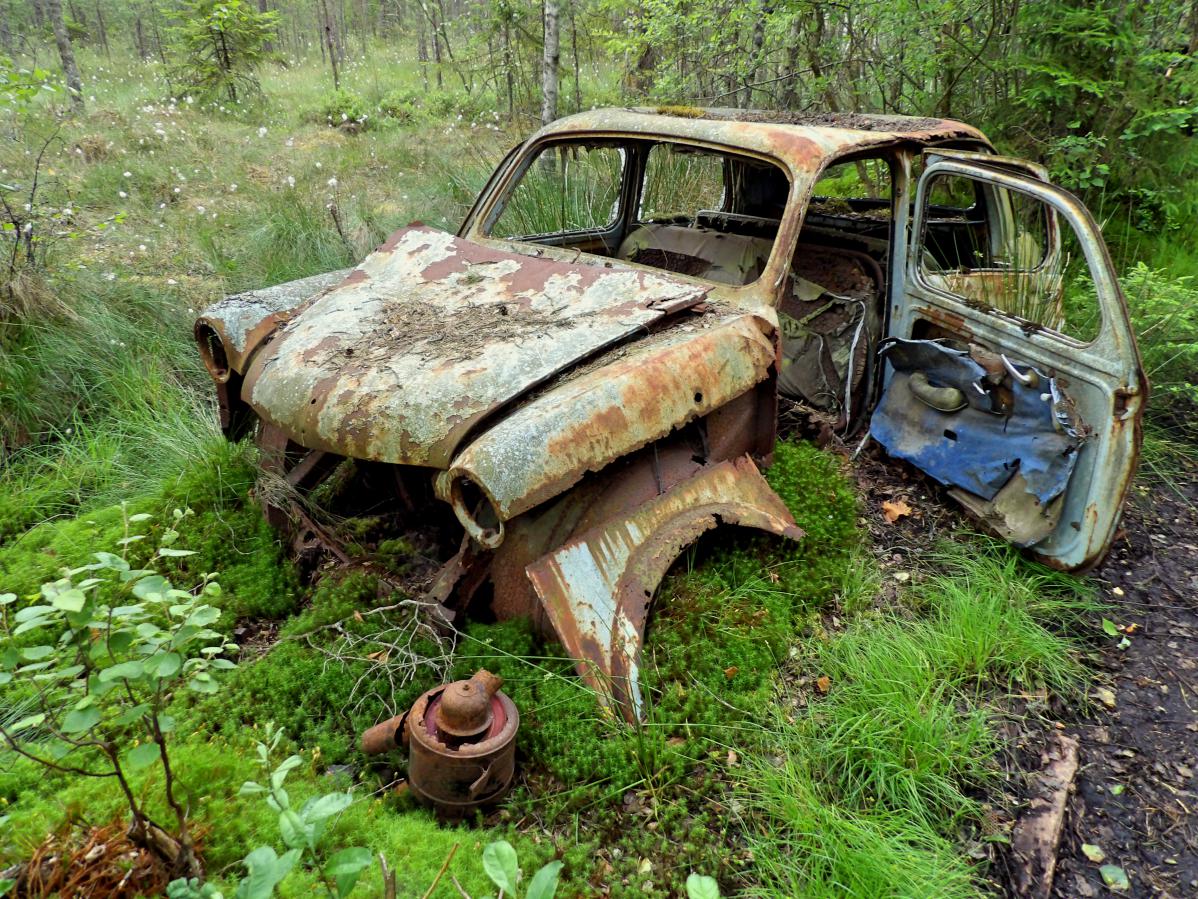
[432, 333]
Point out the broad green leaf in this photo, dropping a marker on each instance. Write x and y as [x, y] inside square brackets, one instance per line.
[119, 641]
[5, 678]
[250, 788]
[30, 625]
[142, 756]
[166, 723]
[280, 773]
[266, 869]
[80, 721]
[140, 516]
[1110, 628]
[1115, 878]
[7, 599]
[700, 886]
[346, 866]
[279, 799]
[203, 683]
[165, 665]
[113, 561]
[6, 885]
[37, 653]
[499, 861]
[128, 670]
[175, 553]
[222, 664]
[204, 616]
[296, 834]
[544, 883]
[151, 585]
[326, 806]
[30, 612]
[26, 723]
[10, 657]
[132, 714]
[71, 600]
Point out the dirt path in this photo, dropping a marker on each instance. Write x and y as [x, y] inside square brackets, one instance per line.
[1136, 796]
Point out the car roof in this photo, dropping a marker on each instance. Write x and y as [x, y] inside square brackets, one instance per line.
[803, 140]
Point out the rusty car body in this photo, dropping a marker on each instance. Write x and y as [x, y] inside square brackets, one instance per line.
[588, 373]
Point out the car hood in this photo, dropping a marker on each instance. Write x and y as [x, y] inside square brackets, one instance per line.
[431, 334]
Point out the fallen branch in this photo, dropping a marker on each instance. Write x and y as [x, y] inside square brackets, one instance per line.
[1038, 831]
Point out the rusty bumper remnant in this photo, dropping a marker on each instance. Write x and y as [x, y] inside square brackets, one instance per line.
[596, 588]
[461, 741]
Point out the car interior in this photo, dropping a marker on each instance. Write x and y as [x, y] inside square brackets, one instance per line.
[699, 212]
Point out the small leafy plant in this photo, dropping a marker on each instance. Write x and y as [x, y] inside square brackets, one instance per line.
[503, 867]
[302, 830]
[115, 643]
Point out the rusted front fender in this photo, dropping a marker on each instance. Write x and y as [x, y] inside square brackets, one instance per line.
[229, 330]
[620, 405]
[596, 588]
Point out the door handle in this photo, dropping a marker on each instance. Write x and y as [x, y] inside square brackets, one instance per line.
[1027, 380]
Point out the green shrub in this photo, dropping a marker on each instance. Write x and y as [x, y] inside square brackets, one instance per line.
[399, 106]
[345, 109]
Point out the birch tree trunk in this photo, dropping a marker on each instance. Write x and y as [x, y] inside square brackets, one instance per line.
[549, 63]
[66, 53]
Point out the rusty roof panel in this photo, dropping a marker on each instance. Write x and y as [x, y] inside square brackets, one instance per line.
[804, 141]
[431, 333]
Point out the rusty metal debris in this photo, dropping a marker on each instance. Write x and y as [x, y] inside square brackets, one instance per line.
[461, 740]
[572, 408]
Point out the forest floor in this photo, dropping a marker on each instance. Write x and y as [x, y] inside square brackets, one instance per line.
[1136, 793]
[1133, 800]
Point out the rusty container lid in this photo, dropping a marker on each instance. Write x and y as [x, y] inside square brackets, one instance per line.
[466, 708]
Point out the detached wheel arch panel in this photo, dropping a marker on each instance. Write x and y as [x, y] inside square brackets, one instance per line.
[597, 587]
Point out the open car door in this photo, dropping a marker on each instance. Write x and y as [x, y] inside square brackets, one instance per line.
[1011, 372]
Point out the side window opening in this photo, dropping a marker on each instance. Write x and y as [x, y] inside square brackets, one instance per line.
[566, 189]
[1005, 251]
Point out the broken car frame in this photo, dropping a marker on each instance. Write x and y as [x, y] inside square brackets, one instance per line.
[592, 393]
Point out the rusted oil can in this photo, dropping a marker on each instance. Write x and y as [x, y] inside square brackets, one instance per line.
[461, 741]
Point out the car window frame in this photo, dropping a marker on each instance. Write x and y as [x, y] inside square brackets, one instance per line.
[488, 208]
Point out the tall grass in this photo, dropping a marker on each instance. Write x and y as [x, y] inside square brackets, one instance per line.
[865, 792]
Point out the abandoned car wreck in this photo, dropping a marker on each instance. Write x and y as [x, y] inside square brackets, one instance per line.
[588, 375]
